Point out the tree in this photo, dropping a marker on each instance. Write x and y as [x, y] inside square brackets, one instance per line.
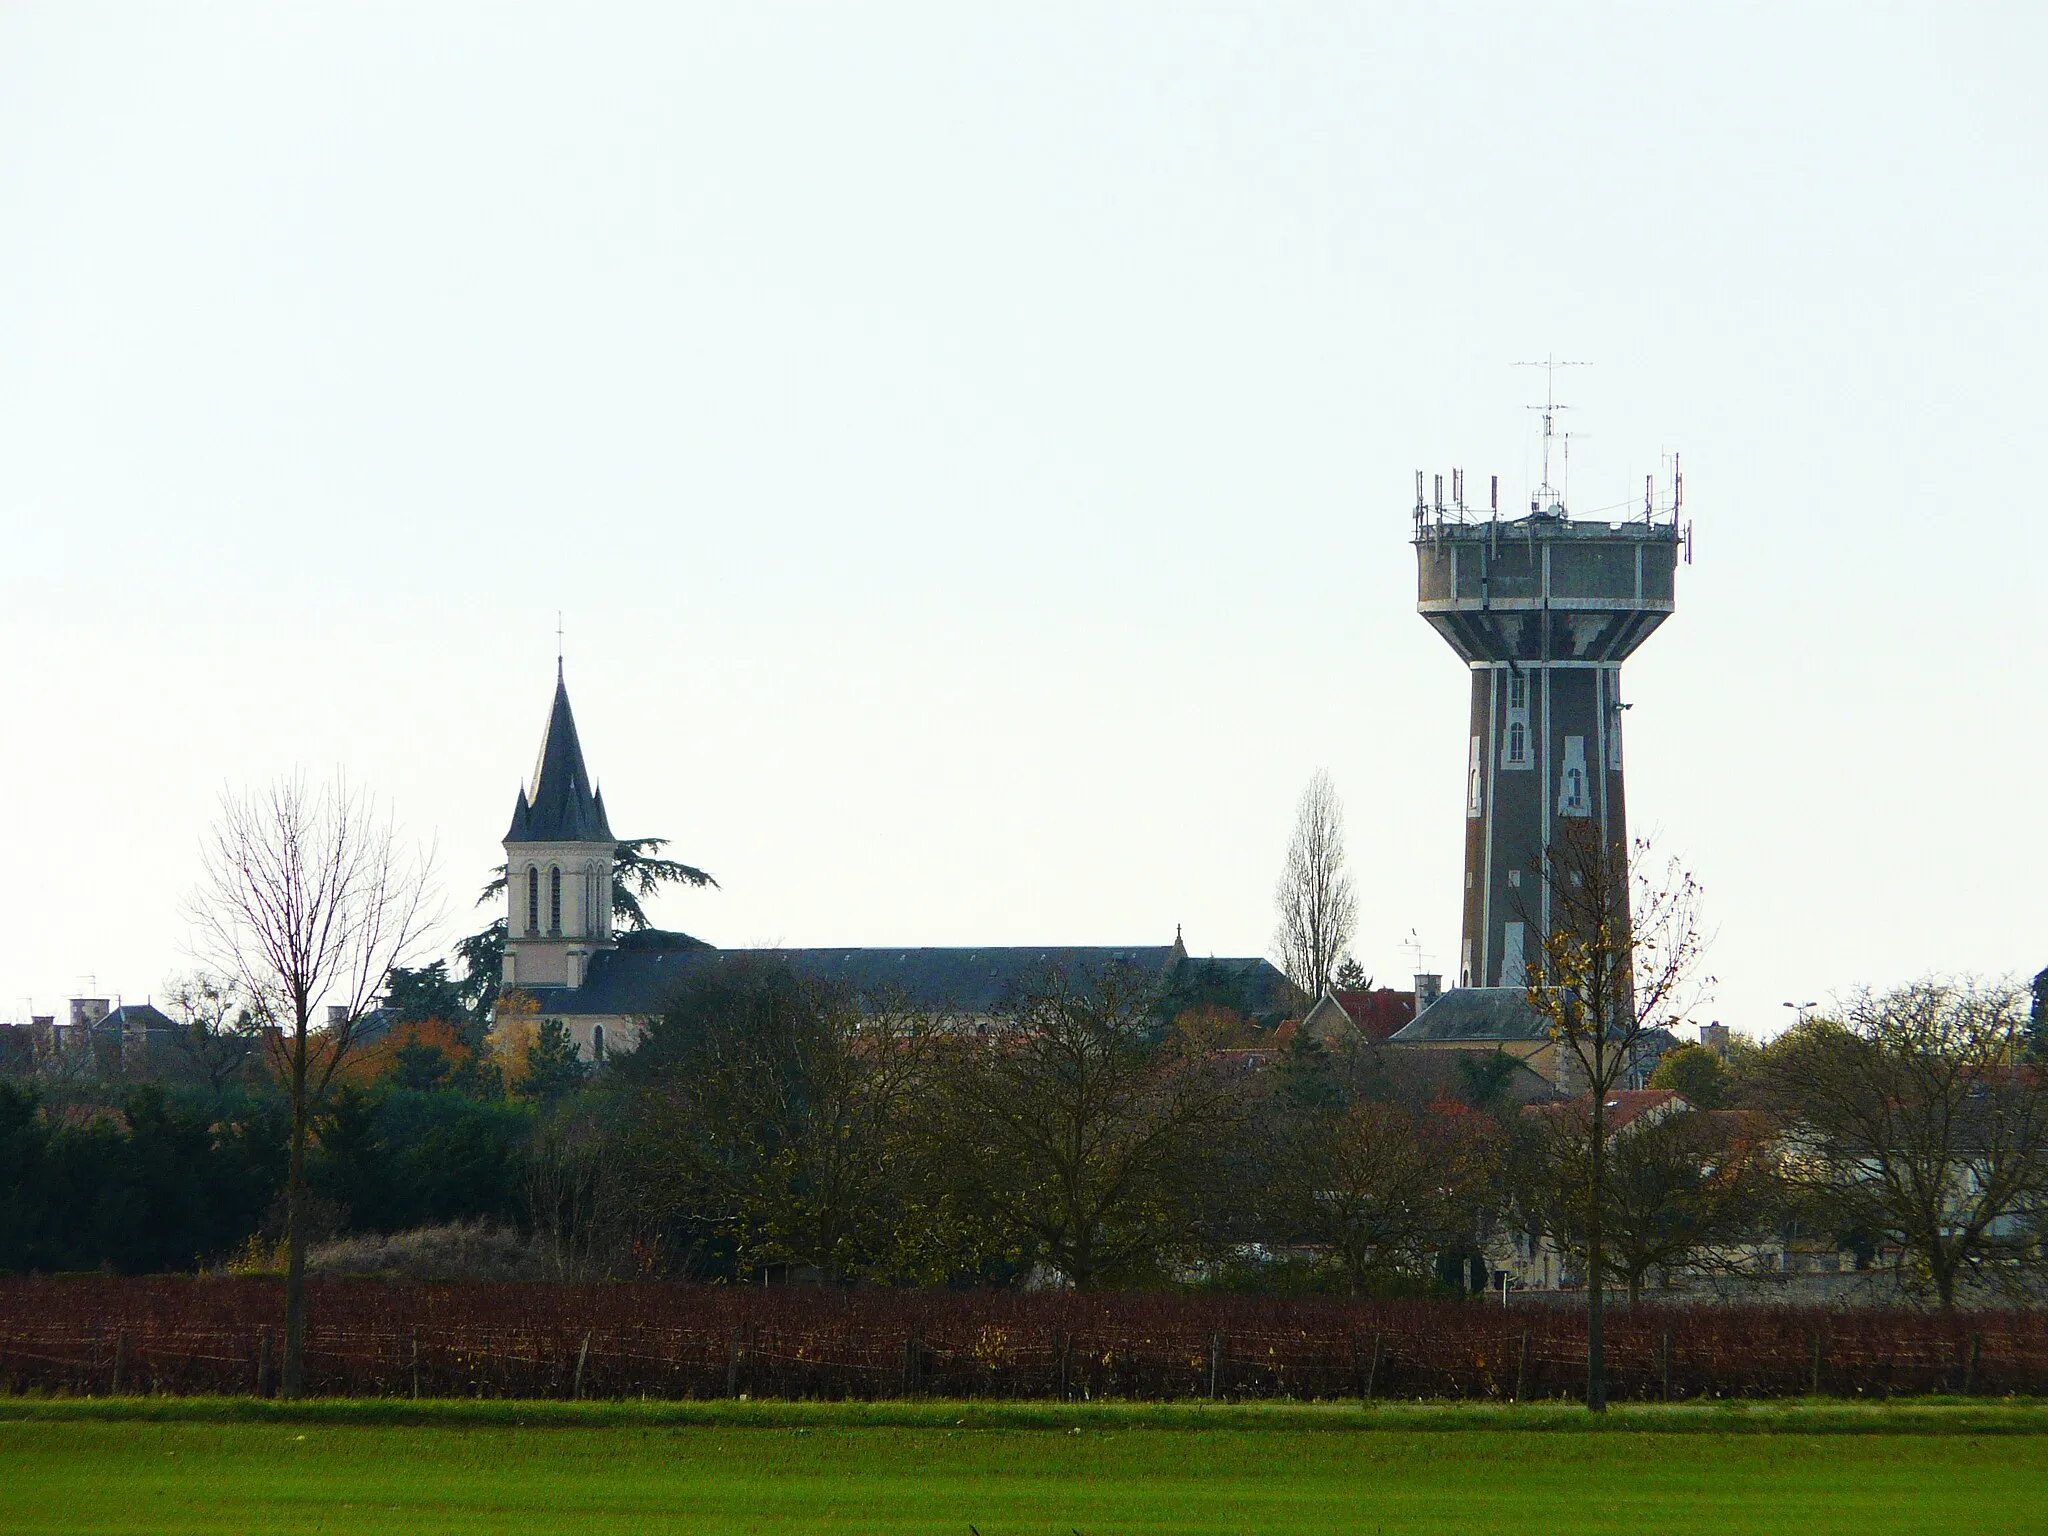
[416, 995]
[307, 899]
[218, 1032]
[1314, 896]
[1916, 1114]
[778, 1108]
[1088, 1133]
[1617, 950]
[1695, 1074]
[1386, 1186]
[1680, 1186]
[554, 1066]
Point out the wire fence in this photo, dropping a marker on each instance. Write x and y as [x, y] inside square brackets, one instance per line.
[374, 1338]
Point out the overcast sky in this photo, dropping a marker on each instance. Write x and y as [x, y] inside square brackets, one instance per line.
[971, 450]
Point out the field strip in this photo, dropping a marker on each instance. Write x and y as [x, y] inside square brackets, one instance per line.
[1921, 1417]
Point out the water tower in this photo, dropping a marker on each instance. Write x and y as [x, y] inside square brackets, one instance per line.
[1543, 609]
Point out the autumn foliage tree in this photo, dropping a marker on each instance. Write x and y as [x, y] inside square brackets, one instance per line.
[1617, 954]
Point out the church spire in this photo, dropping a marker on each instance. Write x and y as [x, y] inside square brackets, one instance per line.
[561, 805]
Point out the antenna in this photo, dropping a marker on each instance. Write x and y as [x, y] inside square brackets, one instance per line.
[1547, 496]
[1416, 953]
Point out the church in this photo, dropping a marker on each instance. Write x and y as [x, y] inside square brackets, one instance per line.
[562, 954]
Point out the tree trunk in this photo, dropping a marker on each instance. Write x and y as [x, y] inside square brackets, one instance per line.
[1944, 1281]
[293, 1380]
[1596, 1353]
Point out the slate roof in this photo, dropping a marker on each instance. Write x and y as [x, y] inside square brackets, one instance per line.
[1479, 1015]
[137, 1016]
[647, 969]
[560, 806]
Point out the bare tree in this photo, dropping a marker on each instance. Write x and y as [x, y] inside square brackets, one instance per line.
[1386, 1186]
[218, 1029]
[1317, 908]
[1916, 1115]
[1684, 1187]
[306, 898]
[1087, 1133]
[1619, 945]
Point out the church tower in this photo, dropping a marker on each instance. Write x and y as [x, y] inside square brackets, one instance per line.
[559, 853]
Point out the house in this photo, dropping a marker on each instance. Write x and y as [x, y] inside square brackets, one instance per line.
[1358, 1013]
[124, 1037]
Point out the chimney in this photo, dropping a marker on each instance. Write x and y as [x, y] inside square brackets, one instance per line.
[87, 1011]
[1428, 988]
[337, 1015]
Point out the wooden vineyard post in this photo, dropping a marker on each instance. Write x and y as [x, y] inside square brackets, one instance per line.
[1667, 1365]
[910, 1363]
[1970, 1364]
[732, 1364]
[1066, 1362]
[1216, 1364]
[1372, 1373]
[263, 1364]
[1815, 1389]
[582, 1358]
[1522, 1369]
[120, 1359]
[415, 1362]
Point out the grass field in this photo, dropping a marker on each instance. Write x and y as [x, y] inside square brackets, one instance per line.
[165, 1466]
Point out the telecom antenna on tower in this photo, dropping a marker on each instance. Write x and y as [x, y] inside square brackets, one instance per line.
[1550, 500]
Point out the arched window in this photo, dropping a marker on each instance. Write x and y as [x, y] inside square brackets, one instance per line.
[597, 1042]
[1517, 742]
[532, 899]
[555, 900]
[593, 899]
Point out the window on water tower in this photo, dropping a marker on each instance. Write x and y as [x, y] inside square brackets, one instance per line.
[1514, 746]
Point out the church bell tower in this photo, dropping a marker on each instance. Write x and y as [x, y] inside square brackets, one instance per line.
[559, 853]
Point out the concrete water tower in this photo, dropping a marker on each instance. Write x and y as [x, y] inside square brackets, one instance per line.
[1543, 609]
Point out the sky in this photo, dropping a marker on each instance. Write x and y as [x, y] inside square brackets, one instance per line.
[970, 451]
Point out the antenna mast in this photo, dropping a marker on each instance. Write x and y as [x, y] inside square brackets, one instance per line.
[1549, 497]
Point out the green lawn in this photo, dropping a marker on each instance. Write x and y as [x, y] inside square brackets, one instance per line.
[158, 1468]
